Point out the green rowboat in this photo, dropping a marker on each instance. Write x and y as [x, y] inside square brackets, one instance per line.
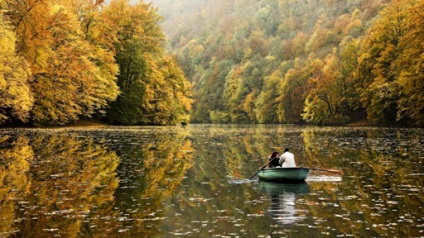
[273, 188]
[293, 174]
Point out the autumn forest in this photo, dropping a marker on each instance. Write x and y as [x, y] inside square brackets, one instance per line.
[324, 62]
[66, 60]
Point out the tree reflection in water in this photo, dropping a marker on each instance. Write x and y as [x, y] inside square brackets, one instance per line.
[72, 184]
[64, 179]
[176, 182]
[283, 201]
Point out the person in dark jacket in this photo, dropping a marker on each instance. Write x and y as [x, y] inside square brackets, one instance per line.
[274, 159]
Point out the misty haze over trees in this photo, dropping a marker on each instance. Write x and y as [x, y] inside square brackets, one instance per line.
[234, 61]
[296, 61]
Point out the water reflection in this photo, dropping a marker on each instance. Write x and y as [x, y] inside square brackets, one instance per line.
[59, 183]
[284, 197]
[192, 181]
[14, 182]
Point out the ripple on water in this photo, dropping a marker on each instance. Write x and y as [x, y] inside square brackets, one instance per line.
[241, 181]
[323, 178]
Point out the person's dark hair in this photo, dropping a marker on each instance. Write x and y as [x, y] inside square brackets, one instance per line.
[274, 154]
[287, 149]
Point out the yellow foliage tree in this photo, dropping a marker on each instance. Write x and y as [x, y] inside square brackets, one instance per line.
[391, 65]
[70, 77]
[409, 65]
[16, 99]
[332, 98]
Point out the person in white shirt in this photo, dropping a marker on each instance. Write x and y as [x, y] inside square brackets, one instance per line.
[287, 159]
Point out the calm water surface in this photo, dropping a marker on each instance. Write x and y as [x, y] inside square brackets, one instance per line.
[192, 182]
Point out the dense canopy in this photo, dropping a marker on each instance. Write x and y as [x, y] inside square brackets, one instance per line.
[291, 61]
[233, 61]
[63, 60]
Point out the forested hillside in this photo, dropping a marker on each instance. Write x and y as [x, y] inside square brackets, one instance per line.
[297, 61]
[62, 60]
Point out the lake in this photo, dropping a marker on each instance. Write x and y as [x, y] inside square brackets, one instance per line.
[193, 181]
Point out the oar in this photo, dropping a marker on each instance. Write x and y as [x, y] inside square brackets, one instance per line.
[262, 168]
[336, 171]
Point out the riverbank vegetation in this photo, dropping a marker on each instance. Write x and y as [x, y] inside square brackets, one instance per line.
[290, 61]
[62, 60]
[244, 61]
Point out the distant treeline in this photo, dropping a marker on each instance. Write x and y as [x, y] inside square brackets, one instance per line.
[63, 60]
[301, 61]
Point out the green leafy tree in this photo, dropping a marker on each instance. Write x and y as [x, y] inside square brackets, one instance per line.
[153, 89]
[234, 96]
[209, 98]
[294, 90]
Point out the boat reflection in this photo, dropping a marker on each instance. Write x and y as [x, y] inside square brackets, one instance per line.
[284, 196]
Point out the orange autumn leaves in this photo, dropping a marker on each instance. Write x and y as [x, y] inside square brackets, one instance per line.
[68, 54]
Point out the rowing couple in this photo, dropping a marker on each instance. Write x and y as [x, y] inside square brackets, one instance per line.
[285, 160]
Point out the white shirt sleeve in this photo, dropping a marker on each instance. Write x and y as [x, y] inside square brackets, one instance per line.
[287, 160]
